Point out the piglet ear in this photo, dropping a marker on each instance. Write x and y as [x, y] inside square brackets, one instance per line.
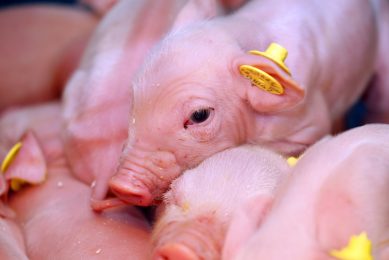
[269, 85]
[245, 221]
[25, 163]
[195, 11]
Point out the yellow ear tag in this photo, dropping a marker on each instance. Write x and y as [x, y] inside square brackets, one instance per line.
[261, 79]
[17, 184]
[10, 156]
[292, 161]
[276, 53]
[358, 248]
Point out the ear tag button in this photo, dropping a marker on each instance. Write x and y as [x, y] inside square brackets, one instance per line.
[359, 247]
[275, 53]
[292, 161]
[261, 79]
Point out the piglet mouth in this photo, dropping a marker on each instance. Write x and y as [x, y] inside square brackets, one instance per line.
[128, 191]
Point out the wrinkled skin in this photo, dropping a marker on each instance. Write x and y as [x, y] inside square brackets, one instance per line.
[200, 105]
[98, 97]
[54, 217]
[337, 189]
[39, 48]
[198, 208]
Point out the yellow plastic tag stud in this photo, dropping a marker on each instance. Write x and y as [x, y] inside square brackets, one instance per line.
[276, 53]
[17, 184]
[10, 156]
[292, 161]
[358, 248]
[261, 79]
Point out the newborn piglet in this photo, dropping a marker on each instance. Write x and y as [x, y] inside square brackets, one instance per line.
[333, 206]
[198, 208]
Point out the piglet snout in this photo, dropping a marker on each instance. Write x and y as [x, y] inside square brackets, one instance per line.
[128, 188]
[143, 177]
[192, 239]
[175, 251]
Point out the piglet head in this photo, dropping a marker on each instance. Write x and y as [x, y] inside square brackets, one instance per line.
[186, 107]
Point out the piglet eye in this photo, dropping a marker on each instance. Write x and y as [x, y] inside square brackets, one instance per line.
[199, 116]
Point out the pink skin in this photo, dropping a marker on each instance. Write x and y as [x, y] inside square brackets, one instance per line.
[11, 240]
[54, 217]
[98, 96]
[164, 137]
[336, 190]
[198, 208]
[39, 48]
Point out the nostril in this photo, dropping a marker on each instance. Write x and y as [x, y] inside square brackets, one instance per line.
[130, 190]
[175, 251]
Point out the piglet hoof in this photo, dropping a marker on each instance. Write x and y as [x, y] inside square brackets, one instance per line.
[175, 251]
[131, 190]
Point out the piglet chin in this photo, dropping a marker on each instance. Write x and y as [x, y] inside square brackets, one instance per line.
[131, 190]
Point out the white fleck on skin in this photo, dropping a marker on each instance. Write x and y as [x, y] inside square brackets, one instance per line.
[98, 251]
[60, 184]
[93, 184]
[133, 120]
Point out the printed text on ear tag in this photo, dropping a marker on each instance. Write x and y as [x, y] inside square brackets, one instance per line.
[261, 79]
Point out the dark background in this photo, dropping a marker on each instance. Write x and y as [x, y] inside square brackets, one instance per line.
[4, 3]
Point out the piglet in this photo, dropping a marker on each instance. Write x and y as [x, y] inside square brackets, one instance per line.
[98, 97]
[338, 189]
[192, 98]
[199, 206]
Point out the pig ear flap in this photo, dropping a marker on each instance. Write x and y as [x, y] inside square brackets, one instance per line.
[267, 82]
[195, 11]
[25, 163]
[245, 221]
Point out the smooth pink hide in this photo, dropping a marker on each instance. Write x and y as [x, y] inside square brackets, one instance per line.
[339, 188]
[11, 239]
[40, 47]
